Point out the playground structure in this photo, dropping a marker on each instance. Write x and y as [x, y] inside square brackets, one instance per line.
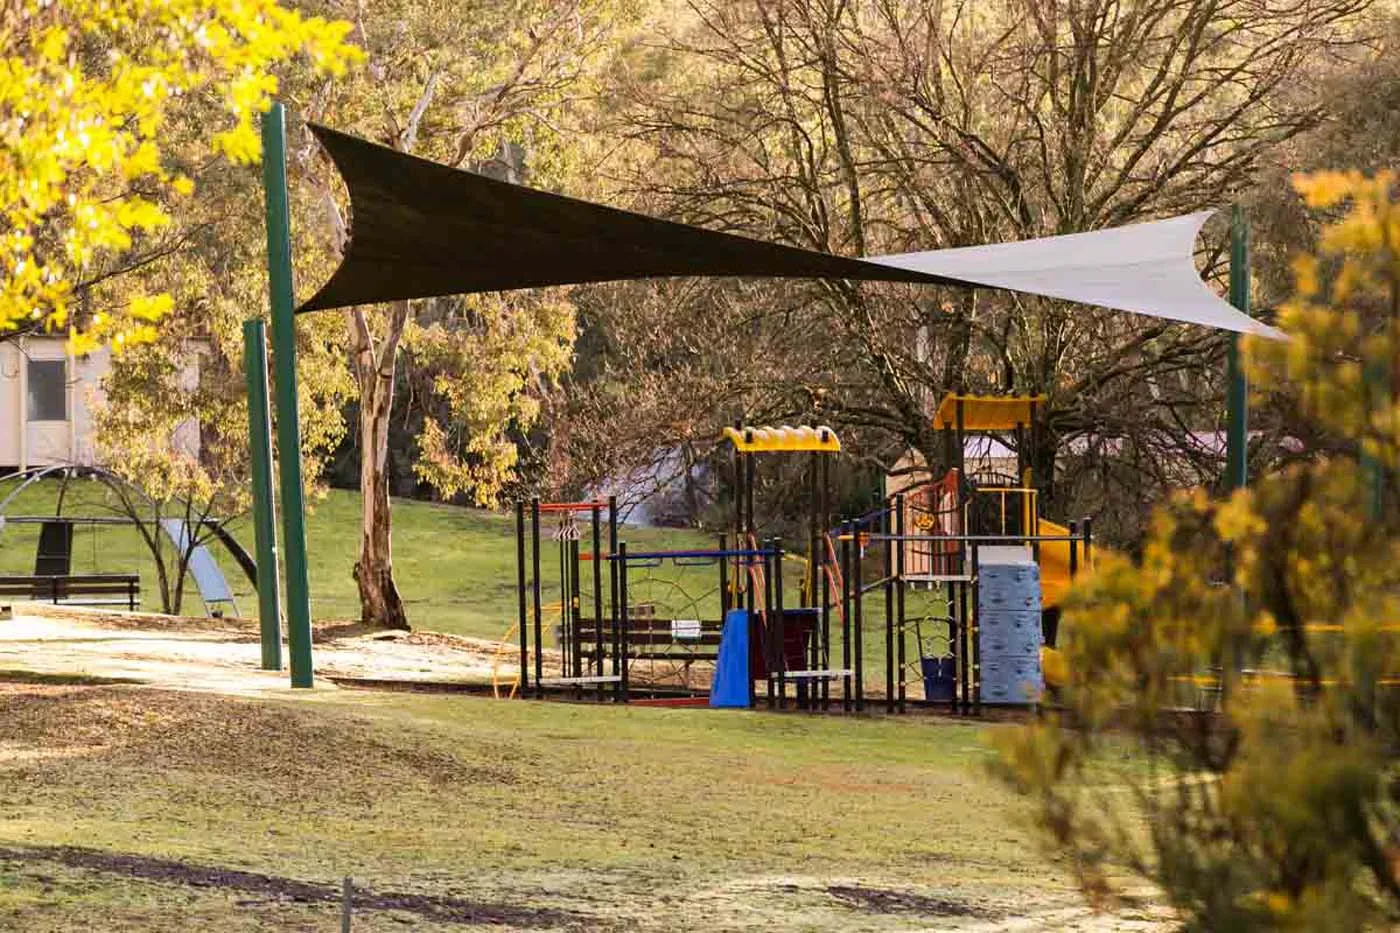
[944, 547]
[628, 632]
[796, 641]
[958, 574]
[565, 614]
[669, 617]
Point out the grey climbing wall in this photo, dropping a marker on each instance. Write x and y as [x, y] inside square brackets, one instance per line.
[1009, 631]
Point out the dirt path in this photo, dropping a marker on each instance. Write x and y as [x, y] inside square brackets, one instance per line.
[222, 655]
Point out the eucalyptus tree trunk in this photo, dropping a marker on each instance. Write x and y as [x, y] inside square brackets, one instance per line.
[380, 603]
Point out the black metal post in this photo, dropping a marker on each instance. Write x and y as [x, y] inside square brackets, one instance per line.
[746, 565]
[576, 612]
[535, 586]
[899, 597]
[1020, 453]
[887, 528]
[738, 491]
[1031, 512]
[965, 629]
[846, 532]
[724, 603]
[858, 635]
[615, 599]
[623, 618]
[814, 502]
[523, 622]
[781, 620]
[809, 690]
[960, 439]
[823, 572]
[566, 641]
[951, 462]
[957, 608]
[742, 566]
[757, 635]
[597, 666]
[1034, 443]
[770, 626]
[972, 634]
[1073, 549]
[750, 524]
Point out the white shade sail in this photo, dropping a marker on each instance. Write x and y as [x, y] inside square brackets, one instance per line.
[1146, 268]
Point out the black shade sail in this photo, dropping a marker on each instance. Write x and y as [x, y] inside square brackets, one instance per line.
[420, 229]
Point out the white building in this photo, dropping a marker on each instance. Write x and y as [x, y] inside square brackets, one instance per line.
[48, 398]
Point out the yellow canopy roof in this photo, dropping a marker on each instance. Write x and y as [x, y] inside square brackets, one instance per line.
[785, 438]
[987, 412]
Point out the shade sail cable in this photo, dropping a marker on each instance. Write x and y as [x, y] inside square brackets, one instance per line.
[420, 229]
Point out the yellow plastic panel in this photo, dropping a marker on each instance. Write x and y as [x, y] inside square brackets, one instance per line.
[785, 438]
[986, 412]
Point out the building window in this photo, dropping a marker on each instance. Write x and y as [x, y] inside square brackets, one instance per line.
[48, 390]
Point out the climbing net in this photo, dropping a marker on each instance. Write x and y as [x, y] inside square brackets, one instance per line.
[674, 612]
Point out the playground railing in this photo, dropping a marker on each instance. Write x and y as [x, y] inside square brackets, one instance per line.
[698, 557]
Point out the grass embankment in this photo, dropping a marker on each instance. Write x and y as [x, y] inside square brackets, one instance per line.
[137, 809]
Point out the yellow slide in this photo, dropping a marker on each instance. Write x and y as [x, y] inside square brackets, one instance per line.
[1054, 565]
[1054, 583]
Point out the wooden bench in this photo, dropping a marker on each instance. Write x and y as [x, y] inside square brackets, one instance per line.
[94, 589]
[651, 639]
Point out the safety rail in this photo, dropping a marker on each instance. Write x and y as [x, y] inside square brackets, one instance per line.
[547, 507]
[739, 554]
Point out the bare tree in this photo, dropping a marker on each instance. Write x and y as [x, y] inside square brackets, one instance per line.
[868, 127]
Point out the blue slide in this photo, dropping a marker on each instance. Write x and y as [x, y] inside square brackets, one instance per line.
[213, 588]
[730, 688]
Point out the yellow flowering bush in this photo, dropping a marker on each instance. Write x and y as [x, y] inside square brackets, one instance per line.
[87, 88]
[1230, 721]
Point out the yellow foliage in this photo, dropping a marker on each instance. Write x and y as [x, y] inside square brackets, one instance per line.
[483, 377]
[82, 168]
[1332, 346]
[149, 307]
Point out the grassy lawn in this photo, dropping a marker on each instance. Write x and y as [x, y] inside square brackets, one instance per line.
[139, 809]
[132, 808]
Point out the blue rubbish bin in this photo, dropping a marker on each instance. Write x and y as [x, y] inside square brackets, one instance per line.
[939, 679]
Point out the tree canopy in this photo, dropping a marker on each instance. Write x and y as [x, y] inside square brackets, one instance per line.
[87, 176]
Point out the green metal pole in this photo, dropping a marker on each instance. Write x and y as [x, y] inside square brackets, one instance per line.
[279, 272]
[264, 514]
[1373, 474]
[1237, 387]
[1382, 381]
